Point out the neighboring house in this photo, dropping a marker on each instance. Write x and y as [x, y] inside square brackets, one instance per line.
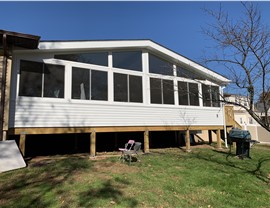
[244, 119]
[264, 98]
[241, 116]
[93, 87]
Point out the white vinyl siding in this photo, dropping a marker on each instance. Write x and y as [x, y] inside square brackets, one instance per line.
[48, 112]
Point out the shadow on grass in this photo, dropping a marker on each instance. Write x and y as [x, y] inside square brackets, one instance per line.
[258, 172]
[238, 164]
[107, 190]
[33, 186]
[49, 183]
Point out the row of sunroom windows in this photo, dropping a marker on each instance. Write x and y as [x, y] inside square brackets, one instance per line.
[129, 60]
[47, 80]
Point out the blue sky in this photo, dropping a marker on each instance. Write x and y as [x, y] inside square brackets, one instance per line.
[175, 25]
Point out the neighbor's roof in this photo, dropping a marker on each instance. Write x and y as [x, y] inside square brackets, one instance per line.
[126, 44]
[19, 39]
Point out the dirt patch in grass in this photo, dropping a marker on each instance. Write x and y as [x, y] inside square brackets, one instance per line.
[114, 167]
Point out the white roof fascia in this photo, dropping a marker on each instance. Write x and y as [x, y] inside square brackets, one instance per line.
[92, 44]
[114, 44]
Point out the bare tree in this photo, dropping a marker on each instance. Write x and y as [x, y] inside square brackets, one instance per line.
[244, 51]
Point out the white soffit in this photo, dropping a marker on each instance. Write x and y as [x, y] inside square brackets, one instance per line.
[10, 156]
[114, 44]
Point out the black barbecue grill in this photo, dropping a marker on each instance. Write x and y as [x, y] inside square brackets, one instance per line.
[243, 141]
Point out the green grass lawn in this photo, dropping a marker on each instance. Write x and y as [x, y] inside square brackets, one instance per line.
[163, 178]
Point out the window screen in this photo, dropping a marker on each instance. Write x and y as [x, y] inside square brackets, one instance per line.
[168, 92]
[206, 93]
[30, 79]
[89, 84]
[127, 88]
[120, 87]
[183, 93]
[80, 83]
[54, 77]
[162, 91]
[41, 80]
[135, 89]
[155, 90]
[193, 94]
[215, 96]
[210, 96]
[99, 86]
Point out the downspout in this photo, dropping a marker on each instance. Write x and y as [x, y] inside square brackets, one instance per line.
[224, 120]
[3, 87]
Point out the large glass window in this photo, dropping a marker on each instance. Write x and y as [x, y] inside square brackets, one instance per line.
[135, 89]
[183, 93]
[159, 66]
[131, 60]
[193, 94]
[156, 90]
[206, 94]
[89, 84]
[210, 96]
[127, 88]
[54, 81]
[168, 91]
[99, 86]
[41, 80]
[215, 96]
[162, 91]
[80, 83]
[188, 93]
[183, 72]
[97, 58]
[30, 79]
[120, 87]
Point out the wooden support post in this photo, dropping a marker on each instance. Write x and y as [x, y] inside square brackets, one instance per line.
[93, 144]
[218, 139]
[188, 141]
[210, 139]
[22, 143]
[115, 140]
[146, 141]
[4, 135]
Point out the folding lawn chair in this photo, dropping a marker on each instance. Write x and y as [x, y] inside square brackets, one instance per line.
[128, 146]
[127, 154]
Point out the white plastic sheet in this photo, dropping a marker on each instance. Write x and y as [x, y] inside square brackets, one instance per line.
[10, 156]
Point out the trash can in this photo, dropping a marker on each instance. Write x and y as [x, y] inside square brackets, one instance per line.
[242, 138]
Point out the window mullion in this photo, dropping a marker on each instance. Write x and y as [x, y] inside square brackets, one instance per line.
[128, 92]
[42, 84]
[211, 100]
[161, 87]
[188, 93]
[90, 83]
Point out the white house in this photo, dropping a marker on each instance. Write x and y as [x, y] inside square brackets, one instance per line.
[92, 87]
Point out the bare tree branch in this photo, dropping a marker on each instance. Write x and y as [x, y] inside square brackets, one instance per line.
[244, 50]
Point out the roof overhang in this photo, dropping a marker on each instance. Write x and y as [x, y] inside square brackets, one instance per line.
[62, 46]
[19, 40]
